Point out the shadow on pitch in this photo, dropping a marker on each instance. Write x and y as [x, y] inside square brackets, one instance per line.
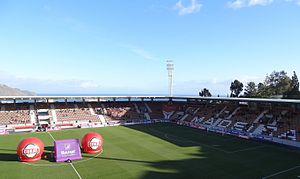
[206, 162]
[9, 150]
[48, 154]
[12, 157]
[8, 157]
[160, 131]
[120, 159]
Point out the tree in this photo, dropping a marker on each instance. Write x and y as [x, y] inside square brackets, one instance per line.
[250, 90]
[263, 91]
[278, 82]
[205, 93]
[236, 88]
[294, 88]
[295, 83]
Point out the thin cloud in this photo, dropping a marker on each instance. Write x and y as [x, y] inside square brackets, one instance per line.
[194, 7]
[140, 52]
[144, 54]
[237, 4]
[89, 84]
[297, 2]
[48, 85]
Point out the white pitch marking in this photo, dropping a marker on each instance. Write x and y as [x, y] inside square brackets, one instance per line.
[75, 171]
[284, 171]
[70, 163]
[51, 136]
[61, 164]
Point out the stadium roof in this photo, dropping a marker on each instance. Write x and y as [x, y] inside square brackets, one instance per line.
[257, 100]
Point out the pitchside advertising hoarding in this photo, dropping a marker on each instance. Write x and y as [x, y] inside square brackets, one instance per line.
[67, 150]
[2, 131]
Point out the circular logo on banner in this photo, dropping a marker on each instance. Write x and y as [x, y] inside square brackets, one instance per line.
[31, 150]
[95, 143]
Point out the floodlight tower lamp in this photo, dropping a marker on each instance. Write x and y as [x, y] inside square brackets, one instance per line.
[170, 68]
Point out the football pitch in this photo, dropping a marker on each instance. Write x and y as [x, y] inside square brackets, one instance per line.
[161, 150]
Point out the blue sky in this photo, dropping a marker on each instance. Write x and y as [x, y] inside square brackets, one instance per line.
[117, 46]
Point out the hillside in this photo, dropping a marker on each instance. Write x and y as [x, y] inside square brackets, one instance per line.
[9, 91]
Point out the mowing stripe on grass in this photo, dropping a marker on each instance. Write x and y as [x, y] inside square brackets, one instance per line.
[230, 139]
[247, 149]
[194, 142]
[281, 172]
[180, 139]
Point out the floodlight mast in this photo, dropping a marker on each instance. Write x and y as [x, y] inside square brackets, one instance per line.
[170, 68]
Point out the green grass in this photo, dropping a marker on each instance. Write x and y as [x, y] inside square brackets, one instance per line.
[156, 151]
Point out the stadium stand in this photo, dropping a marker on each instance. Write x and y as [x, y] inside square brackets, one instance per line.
[15, 115]
[119, 111]
[74, 112]
[267, 120]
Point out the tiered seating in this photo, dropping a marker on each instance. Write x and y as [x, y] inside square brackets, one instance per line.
[68, 112]
[268, 120]
[207, 112]
[190, 112]
[119, 111]
[287, 125]
[14, 115]
[156, 109]
[141, 107]
[180, 113]
[226, 114]
[244, 117]
[276, 122]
